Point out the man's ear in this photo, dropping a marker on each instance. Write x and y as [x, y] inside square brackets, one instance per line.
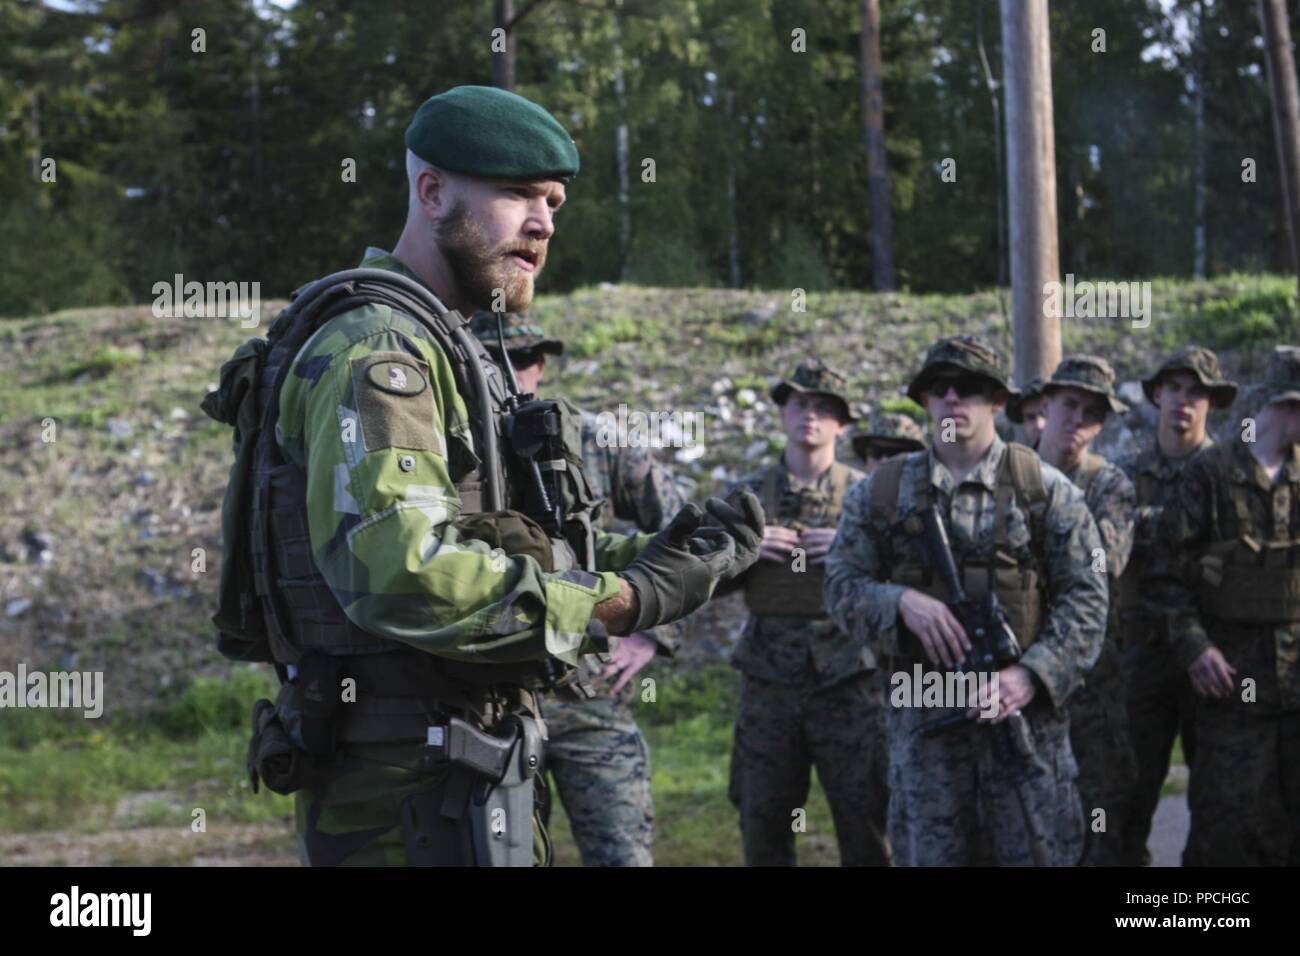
[432, 188]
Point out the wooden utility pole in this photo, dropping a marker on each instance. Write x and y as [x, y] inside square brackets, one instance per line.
[503, 64]
[1031, 184]
[873, 121]
[1286, 115]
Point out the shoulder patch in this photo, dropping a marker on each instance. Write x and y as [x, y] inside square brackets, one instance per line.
[395, 402]
[398, 376]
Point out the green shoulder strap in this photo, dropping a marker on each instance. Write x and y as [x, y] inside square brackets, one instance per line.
[884, 491]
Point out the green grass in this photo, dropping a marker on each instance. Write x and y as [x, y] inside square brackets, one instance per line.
[86, 776]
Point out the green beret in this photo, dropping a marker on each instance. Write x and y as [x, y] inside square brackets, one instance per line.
[491, 133]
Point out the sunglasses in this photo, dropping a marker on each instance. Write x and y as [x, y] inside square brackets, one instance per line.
[966, 386]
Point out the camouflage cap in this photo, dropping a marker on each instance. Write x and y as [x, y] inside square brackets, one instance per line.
[814, 377]
[1202, 363]
[1282, 380]
[520, 333]
[891, 431]
[1016, 404]
[1091, 373]
[960, 353]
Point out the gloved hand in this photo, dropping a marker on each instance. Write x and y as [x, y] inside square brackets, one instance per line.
[677, 571]
[741, 516]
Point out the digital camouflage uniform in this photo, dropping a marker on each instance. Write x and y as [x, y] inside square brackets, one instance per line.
[810, 696]
[1159, 697]
[886, 434]
[1098, 719]
[1244, 529]
[953, 801]
[596, 754]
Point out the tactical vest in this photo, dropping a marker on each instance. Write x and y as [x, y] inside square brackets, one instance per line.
[1019, 582]
[302, 621]
[1249, 579]
[775, 587]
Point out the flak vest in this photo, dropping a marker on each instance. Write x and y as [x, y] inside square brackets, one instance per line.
[776, 587]
[1019, 583]
[1136, 625]
[305, 622]
[1249, 579]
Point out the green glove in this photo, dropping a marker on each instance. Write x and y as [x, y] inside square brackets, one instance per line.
[741, 516]
[677, 571]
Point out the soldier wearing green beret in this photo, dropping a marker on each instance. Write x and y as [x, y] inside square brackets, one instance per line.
[422, 576]
[1026, 410]
[596, 754]
[1235, 628]
[1161, 704]
[1076, 402]
[997, 786]
[885, 435]
[810, 695]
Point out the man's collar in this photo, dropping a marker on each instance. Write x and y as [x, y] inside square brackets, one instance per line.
[984, 473]
[376, 258]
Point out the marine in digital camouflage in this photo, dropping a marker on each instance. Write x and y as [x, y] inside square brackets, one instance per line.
[1159, 698]
[1242, 596]
[952, 802]
[1098, 719]
[596, 754]
[810, 695]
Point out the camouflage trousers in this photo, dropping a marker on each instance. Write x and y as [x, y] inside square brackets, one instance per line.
[1244, 794]
[1161, 706]
[600, 764]
[1107, 767]
[954, 801]
[782, 732]
[381, 805]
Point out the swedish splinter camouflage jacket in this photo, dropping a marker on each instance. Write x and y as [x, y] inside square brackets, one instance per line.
[380, 522]
[862, 602]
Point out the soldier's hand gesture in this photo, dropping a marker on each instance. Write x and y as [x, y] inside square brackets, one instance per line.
[945, 643]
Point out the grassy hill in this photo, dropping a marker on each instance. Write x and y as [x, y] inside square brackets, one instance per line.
[113, 483]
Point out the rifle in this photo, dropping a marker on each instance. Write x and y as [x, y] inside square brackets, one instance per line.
[993, 647]
[532, 426]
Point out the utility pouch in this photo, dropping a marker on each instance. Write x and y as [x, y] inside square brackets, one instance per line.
[274, 755]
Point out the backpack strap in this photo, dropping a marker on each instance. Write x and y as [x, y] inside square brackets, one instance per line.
[341, 292]
[885, 483]
[1022, 474]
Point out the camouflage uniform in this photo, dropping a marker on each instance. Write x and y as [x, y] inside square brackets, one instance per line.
[1244, 528]
[886, 434]
[810, 696]
[385, 538]
[953, 801]
[595, 752]
[1158, 695]
[1098, 720]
